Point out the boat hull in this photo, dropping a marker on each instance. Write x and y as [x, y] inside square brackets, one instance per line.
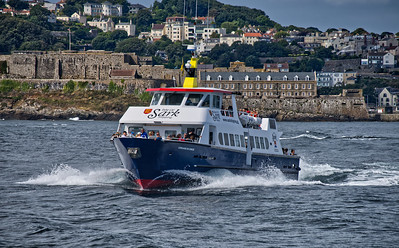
[153, 163]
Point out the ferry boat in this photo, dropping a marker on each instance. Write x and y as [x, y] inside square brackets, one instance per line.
[218, 136]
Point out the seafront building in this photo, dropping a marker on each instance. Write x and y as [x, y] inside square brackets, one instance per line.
[263, 84]
[105, 9]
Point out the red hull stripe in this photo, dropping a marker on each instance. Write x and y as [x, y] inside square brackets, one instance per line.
[190, 90]
[150, 184]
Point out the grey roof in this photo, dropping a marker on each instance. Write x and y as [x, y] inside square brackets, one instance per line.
[240, 76]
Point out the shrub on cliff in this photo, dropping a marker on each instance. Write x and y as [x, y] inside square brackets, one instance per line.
[69, 87]
[7, 85]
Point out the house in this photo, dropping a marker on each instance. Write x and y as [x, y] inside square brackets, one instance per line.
[179, 29]
[388, 42]
[349, 78]
[105, 9]
[276, 67]
[134, 8]
[229, 39]
[263, 84]
[78, 17]
[157, 30]
[104, 25]
[329, 79]
[129, 27]
[251, 38]
[381, 59]
[388, 97]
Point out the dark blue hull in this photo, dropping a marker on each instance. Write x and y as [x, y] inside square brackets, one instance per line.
[151, 162]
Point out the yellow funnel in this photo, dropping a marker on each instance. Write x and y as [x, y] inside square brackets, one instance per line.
[191, 77]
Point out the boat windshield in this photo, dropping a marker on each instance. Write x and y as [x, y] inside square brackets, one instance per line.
[193, 99]
[155, 98]
[172, 99]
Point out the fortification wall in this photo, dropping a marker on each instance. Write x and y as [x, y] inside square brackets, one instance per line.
[333, 108]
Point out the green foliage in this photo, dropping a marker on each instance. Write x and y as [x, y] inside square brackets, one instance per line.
[82, 85]
[145, 96]
[360, 31]
[114, 88]
[46, 88]
[7, 85]
[15, 31]
[18, 4]
[70, 86]
[2, 4]
[143, 20]
[25, 87]
[131, 45]
[307, 64]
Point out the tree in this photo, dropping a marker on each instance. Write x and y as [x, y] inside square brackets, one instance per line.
[69, 10]
[230, 26]
[38, 10]
[281, 34]
[118, 35]
[143, 20]
[215, 35]
[131, 45]
[18, 4]
[323, 53]
[254, 61]
[360, 31]
[102, 42]
[2, 4]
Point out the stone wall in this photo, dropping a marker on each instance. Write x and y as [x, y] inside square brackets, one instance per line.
[328, 108]
[81, 65]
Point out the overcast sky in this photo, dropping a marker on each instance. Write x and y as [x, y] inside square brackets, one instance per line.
[373, 15]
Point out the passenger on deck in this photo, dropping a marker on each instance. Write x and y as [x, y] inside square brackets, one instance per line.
[151, 134]
[124, 134]
[158, 136]
[179, 138]
[292, 152]
[138, 135]
[131, 134]
[144, 134]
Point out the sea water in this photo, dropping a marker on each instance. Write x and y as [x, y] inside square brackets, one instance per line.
[62, 185]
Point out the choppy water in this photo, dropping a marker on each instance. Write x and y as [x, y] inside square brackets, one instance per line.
[61, 184]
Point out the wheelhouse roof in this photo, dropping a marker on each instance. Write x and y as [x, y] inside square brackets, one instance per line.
[197, 90]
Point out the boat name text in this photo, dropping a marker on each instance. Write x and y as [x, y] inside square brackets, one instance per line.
[162, 113]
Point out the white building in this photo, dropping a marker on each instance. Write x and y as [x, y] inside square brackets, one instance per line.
[105, 9]
[104, 25]
[388, 97]
[129, 27]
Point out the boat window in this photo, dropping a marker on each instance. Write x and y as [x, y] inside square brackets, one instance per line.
[257, 142]
[237, 139]
[221, 138]
[262, 144]
[226, 139]
[231, 139]
[193, 99]
[155, 98]
[206, 102]
[272, 124]
[199, 131]
[172, 133]
[242, 141]
[135, 130]
[216, 101]
[251, 141]
[267, 143]
[172, 99]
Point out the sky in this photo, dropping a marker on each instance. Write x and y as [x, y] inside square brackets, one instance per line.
[375, 16]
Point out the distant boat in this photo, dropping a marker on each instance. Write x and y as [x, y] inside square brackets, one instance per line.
[74, 119]
[216, 138]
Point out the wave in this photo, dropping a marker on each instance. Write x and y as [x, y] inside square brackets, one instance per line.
[309, 136]
[362, 138]
[64, 174]
[369, 174]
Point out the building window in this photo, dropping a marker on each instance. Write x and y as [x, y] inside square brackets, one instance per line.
[271, 93]
[226, 86]
[289, 86]
[269, 78]
[257, 86]
[231, 78]
[271, 86]
[309, 86]
[257, 78]
[288, 93]
[244, 86]
[307, 78]
[219, 78]
[296, 86]
[232, 86]
[250, 86]
[264, 86]
[309, 93]
[303, 93]
[208, 77]
[283, 86]
[285, 78]
[296, 78]
[250, 93]
[244, 94]
[246, 77]
[303, 86]
[265, 93]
